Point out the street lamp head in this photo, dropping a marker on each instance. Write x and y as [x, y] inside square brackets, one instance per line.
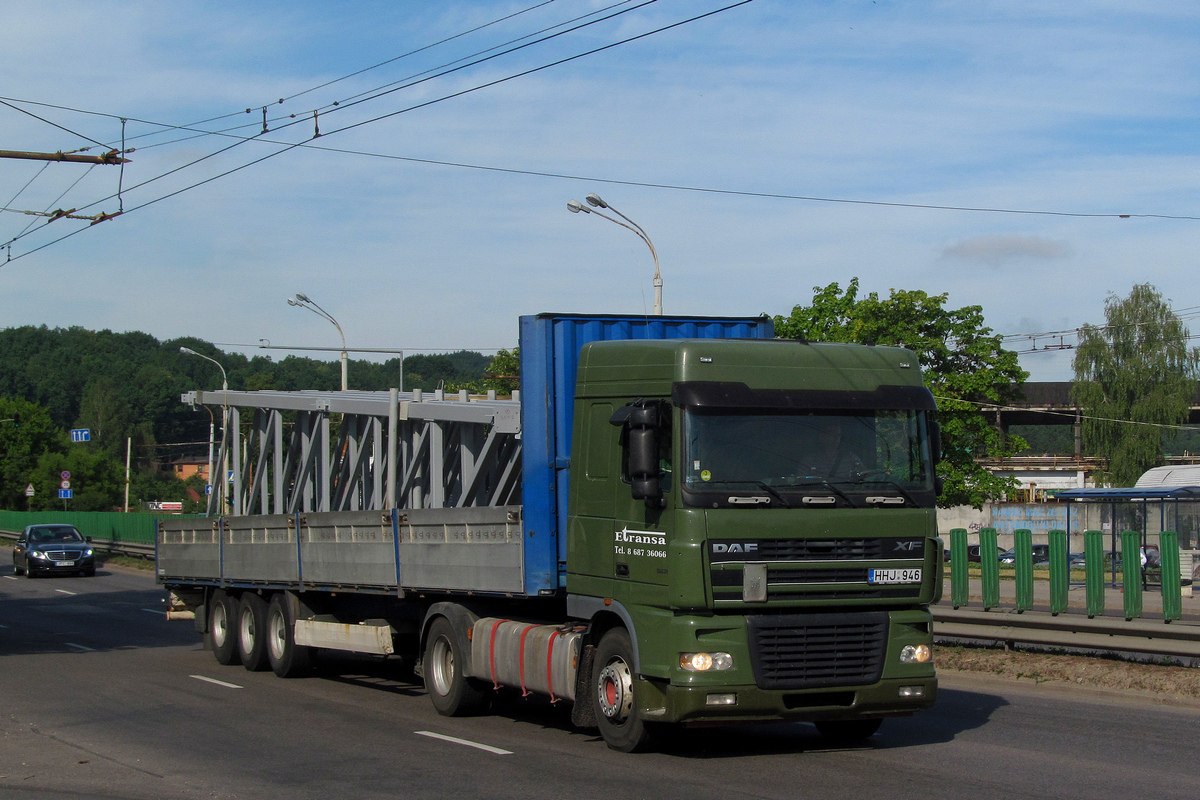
[594, 199]
[574, 206]
[189, 351]
[302, 297]
[294, 302]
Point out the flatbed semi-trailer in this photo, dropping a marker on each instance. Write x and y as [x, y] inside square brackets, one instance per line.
[677, 520]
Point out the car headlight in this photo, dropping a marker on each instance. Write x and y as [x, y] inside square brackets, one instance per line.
[37, 554]
[916, 654]
[87, 553]
[704, 662]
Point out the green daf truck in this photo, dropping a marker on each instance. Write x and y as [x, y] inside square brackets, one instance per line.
[676, 521]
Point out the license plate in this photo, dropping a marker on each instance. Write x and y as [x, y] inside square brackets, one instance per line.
[64, 563]
[894, 576]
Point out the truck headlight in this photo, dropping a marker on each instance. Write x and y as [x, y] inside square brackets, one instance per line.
[916, 654]
[704, 662]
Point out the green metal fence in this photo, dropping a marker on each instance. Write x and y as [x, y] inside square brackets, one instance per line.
[134, 528]
[1059, 572]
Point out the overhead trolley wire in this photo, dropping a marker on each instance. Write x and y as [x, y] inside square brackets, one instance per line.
[291, 146]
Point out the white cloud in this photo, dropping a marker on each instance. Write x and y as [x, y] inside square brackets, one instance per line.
[996, 251]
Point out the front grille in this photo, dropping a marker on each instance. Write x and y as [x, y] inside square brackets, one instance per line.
[63, 555]
[836, 549]
[813, 651]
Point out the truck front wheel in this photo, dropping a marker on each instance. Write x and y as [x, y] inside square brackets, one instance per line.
[453, 693]
[222, 611]
[251, 632]
[612, 694]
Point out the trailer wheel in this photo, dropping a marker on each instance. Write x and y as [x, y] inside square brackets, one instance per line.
[287, 658]
[612, 694]
[453, 693]
[843, 732]
[251, 632]
[222, 636]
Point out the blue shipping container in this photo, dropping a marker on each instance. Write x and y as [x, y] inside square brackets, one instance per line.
[550, 345]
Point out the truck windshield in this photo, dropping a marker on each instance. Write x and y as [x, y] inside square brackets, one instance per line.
[784, 456]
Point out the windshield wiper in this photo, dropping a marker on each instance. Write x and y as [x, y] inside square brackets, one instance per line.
[766, 487]
[889, 482]
[824, 484]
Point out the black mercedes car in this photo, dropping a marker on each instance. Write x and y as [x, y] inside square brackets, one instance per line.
[53, 549]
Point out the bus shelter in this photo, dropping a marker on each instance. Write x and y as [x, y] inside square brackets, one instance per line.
[1147, 510]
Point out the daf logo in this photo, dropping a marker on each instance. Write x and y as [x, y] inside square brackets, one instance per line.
[907, 546]
[735, 547]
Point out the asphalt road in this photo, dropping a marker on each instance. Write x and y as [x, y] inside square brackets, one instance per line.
[101, 697]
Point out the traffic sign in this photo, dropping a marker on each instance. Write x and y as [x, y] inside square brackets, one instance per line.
[81, 435]
[65, 485]
[29, 490]
[66, 476]
[65, 494]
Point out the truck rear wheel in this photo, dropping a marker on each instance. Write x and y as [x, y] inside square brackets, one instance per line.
[251, 632]
[453, 693]
[612, 694]
[848, 731]
[222, 611]
[287, 658]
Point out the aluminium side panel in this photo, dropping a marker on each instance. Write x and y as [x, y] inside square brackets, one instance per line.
[348, 549]
[550, 345]
[189, 548]
[260, 549]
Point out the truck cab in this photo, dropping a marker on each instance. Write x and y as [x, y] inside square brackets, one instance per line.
[758, 518]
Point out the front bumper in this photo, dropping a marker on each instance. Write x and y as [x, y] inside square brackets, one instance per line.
[44, 566]
[661, 701]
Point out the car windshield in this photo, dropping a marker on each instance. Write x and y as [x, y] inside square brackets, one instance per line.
[59, 534]
[778, 453]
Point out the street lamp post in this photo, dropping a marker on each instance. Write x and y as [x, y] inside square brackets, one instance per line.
[302, 301]
[575, 207]
[224, 421]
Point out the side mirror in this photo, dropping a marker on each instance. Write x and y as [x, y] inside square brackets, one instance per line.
[642, 420]
[87, 539]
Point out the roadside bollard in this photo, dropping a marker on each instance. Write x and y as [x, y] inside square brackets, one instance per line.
[989, 568]
[960, 581]
[1131, 573]
[1060, 571]
[1172, 586]
[1093, 554]
[1023, 564]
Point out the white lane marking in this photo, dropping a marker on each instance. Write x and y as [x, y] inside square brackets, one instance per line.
[64, 591]
[11, 577]
[217, 682]
[80, 647]
[466, 742]
[154, 610]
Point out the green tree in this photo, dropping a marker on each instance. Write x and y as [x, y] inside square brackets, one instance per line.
[963, 362]
[504, 371]
[1136, 368]
[96, 480]
[25, 435]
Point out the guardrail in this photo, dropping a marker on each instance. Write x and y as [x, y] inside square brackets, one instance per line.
[1075, 632]
[115, 548]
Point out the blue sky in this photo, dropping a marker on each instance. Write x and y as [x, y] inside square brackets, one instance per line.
[1083, 107]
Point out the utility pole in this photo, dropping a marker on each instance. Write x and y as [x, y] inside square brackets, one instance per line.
[111, 157]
